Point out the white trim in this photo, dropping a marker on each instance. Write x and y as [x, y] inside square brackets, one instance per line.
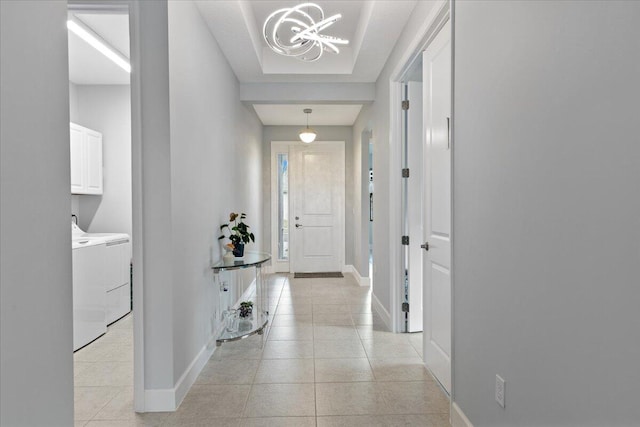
[380, 311]
[395, 200]
[189, 377]
[164, 400]
[458, 418]
[452, 17]
[137, 238]
[362, 281]
[159, 400]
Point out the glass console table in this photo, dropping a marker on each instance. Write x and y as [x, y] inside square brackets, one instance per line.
[235, 327]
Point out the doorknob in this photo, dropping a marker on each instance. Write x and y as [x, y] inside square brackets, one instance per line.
[298, 225]
[425, 246]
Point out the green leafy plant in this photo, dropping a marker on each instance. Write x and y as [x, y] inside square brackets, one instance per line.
[238, 231]
[246, 307]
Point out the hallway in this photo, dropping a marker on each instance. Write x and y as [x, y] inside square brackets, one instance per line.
[326, 361]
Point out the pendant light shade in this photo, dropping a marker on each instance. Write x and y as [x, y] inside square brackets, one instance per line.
[307, 135]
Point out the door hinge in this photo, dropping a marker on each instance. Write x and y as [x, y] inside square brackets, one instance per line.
[405, 173]
[405, 240]
[405, 307]
[405, 105]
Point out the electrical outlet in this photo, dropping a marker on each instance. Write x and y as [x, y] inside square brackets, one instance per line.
[500, 389]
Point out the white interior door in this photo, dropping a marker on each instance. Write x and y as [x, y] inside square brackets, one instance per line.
[317, 185]
[437, 258]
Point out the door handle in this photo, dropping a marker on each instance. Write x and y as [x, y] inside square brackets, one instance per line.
[448, 133]
[298, 225]
[425, 246]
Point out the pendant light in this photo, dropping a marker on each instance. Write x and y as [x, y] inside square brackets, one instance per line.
[307, 135]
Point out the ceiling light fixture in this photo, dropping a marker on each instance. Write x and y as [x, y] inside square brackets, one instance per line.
[293, 31]
[307, 135]
[87, 35]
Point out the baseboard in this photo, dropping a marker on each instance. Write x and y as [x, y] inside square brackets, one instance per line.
[191, 374]
[167, 400]
[362, 281]
[458, 418]
[381, 311]
[268, 269]
[160, 400]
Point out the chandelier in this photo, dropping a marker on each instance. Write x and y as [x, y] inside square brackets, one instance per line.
[295, 31]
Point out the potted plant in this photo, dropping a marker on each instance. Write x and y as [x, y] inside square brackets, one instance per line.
[246, 307]
[238, 233]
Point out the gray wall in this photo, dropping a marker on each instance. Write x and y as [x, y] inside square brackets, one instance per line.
[36, 339]
[361, 137]
[152, 240]
[106, 109]
[547, 212]
[325, 133]
[216, 152]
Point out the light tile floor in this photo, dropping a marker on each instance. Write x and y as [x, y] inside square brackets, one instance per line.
[326, 361]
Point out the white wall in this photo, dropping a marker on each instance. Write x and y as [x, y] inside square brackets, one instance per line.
[107, 109]
[36, 339]
[216, 152]
[547, 212]
[325, 133]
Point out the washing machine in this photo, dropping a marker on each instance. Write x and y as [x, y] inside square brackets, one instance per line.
[117, 271]
[89, 297]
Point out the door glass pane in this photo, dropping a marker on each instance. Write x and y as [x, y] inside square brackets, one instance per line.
[283, 206]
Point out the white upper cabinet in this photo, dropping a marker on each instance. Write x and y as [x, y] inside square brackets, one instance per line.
[86, 160]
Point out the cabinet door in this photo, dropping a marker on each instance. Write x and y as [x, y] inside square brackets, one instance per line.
[93, 143]
[78, 163]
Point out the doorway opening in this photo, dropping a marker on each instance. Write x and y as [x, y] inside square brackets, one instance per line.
[100, 106]
[412, 200]
[423, 265]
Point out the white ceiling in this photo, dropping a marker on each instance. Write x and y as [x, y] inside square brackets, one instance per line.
[321, 115]
[372, 28]
[87, 66]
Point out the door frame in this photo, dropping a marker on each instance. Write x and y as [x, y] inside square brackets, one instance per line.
[137, 249]
[442, 12]
[280, 147]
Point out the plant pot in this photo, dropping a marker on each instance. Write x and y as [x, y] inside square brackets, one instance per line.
[228, 257]
[238, 250]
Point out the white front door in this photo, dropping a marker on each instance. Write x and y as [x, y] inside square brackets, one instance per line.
[317, 186]
[437, 210]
